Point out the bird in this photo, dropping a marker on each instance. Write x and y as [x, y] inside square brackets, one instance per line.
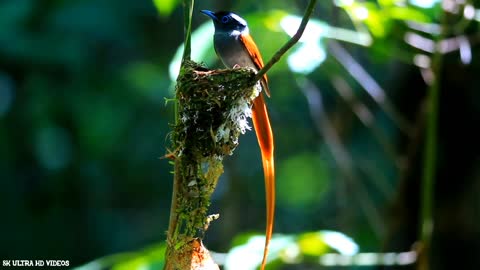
[236, 48]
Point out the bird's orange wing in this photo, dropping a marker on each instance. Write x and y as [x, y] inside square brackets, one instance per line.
[253, 51]
[263, 130]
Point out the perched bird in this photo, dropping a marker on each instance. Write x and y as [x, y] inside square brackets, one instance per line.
[235, 47]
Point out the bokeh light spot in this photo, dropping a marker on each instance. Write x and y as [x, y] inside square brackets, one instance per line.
[53, 148]
[361, 13]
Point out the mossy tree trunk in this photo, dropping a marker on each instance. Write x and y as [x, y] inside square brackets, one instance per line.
[213, 107]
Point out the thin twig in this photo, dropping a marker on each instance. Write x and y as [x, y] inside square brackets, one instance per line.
[290, 43]
[187, 13]
[173, 208]
[173, 221]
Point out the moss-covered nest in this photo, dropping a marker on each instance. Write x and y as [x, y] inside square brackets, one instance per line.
[213, 108]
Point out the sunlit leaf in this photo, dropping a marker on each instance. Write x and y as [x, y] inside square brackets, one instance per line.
[136, 263]
[165, 7]
[312, 244]
[321, 242]
[407, 13]
[387, 3]
[376, 22]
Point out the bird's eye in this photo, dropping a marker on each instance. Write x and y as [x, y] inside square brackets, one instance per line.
[225, 19]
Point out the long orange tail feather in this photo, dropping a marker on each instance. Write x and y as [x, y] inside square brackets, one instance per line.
[264, 133]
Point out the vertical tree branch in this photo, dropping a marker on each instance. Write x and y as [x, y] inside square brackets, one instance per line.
[188, 12]
[212, 107]
[187, 18]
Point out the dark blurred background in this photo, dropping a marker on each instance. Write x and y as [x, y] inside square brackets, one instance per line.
[84, 124]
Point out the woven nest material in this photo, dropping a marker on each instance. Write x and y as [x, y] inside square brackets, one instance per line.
[213, 107]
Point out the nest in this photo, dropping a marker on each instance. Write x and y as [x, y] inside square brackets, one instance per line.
[213, 108]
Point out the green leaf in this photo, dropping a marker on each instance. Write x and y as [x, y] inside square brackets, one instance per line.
[320, 242]
[165, 7]
[377, 23]
[312, 244]
[386, 3]
[408, 14]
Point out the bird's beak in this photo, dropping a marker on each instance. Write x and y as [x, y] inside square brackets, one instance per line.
[210, 14]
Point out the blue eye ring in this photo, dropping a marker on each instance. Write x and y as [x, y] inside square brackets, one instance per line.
[225, 19]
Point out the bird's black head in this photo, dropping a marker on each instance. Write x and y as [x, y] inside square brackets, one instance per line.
[226, 21]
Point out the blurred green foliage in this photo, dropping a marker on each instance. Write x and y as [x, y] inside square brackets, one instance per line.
[83, 124]
[315, 181]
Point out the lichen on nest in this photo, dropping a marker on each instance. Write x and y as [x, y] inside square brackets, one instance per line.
[213, 108]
